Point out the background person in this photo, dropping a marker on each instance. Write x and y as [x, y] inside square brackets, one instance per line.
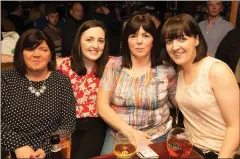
[135, 89]
[52, 30]
[36, 100]
[71, 26]
[6, 24]
[155, 16]
[229, 48]
[207, 91]
[41, 22]
[84, 68]
[15, 16]
[215, 27]
[33, 15]
[167, 14]
[108, 16]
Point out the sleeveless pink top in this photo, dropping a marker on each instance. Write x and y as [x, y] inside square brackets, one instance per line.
[202, 116]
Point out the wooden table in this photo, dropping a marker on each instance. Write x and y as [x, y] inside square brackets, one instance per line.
[160, 148]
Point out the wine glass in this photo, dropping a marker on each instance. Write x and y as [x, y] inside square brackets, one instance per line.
[179, 143]
[124, 145]
[236, 155]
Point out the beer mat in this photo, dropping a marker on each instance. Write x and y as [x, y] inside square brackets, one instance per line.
[146, 152]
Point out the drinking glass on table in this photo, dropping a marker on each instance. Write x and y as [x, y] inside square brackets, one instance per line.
[236, 155]
[124, 145]
[66, 142]
[179, 143]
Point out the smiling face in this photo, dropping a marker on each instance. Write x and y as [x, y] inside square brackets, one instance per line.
[37, 59]
[140, 43]
[182, 50]
[92, 43]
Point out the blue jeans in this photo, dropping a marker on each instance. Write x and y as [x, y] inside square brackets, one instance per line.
[109, 141]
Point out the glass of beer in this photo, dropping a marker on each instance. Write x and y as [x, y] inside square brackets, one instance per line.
[124, 145]
[179, 143]
[65, 141]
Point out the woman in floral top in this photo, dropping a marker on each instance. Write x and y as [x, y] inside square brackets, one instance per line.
[135, 89]
[84, 68]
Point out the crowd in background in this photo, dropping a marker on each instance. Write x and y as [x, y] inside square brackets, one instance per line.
[60, 21]
[61, 25]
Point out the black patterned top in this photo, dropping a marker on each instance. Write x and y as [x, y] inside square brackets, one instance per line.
[30, 120]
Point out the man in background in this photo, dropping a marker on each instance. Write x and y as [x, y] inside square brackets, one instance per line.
[229, 51]
[52, 30]
[155, 16]
[41, 22]
[16, 16]
[71, 26]
[215, 28]
[167, 14]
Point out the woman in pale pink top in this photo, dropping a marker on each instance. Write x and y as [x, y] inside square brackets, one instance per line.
[207, 91]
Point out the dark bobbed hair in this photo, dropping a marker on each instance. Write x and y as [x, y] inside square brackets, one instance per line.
[77, 62]
[134, 23]
[30, 40]
[179, 25]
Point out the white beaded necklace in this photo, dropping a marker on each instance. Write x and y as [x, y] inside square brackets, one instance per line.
[35, 91]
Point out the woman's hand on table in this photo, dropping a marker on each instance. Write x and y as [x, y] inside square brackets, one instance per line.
[141, 137]
[40, 153]
[24, 152]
